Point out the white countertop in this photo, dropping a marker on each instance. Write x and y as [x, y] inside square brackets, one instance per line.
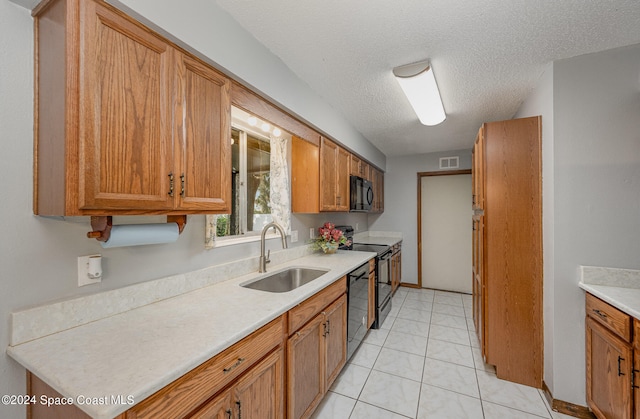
[138, 352]
[388, 239]
[618, 287]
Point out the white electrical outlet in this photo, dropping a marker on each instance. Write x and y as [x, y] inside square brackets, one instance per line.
[357, 226]
[294, 236]
[89, 270]
[312, 233]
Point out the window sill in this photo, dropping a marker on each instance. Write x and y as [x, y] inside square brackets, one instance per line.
[231, 241]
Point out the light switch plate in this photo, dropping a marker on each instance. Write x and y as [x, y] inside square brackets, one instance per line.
[312, 232]
[294, 236]
[83, 272]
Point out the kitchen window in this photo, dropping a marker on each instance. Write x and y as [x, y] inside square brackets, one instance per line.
[259, 180]
[250, 185]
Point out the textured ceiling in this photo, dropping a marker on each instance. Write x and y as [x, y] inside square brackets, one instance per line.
[487, 55]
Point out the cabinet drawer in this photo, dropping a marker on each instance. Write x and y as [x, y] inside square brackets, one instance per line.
[609, 316]
[181, 397]
[307, 309]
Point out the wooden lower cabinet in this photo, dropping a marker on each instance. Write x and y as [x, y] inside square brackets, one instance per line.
[258, 394]
[396, 267]
[304, 368]
[316, 354]
[608, 373]
[371, 307]
[612, 361]
[218, 408]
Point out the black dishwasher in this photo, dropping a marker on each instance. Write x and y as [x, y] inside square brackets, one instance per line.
[358, 300]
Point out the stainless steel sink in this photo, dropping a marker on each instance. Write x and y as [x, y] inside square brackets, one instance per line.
[285, 280]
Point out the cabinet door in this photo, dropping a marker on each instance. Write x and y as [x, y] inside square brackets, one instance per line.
[371, 309]
[342, 180]
[356, 166]
[259, 393]
[328, 175]
[305, 176]
[636, 383]
[219, 407]
[336, 339]
[305, 368]
[202, 123]
[609, 365]
[124, 153]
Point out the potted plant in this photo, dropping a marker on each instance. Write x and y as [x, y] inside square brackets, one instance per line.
[329, 238]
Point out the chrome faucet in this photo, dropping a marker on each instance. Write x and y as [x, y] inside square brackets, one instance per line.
[264, 260]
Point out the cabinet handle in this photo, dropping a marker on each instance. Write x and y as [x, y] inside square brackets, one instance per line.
[619, 370]
[182, 185]
[229, 414]
[238, 362]
[324, 334]
[171, 184]
[239, 404]
[600, 313]
[328, 326]
[633, 378]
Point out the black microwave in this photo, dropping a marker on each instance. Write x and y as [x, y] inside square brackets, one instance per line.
[361, 194]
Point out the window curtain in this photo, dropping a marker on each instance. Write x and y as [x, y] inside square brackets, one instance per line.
[279, 184]
[210, 228]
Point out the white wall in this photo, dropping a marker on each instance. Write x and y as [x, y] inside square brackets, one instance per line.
[401, 202]
[597, 190]
[540, 102]
[591, 151]
[38, 255]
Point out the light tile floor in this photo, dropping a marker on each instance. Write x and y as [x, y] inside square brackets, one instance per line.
[425, 362]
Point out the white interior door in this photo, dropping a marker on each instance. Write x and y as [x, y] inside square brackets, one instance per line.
[446, 234]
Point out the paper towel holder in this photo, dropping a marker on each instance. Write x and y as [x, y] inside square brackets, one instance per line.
[101, 226]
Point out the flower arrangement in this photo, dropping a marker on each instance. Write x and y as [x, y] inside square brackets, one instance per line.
[329, 238]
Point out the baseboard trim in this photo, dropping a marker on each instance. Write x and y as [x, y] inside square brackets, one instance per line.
[404, 284]
[566, 408]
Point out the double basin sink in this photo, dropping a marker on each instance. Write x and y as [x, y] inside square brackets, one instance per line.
[285, 280]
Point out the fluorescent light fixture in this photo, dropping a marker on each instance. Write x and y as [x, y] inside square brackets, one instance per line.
[419, 85]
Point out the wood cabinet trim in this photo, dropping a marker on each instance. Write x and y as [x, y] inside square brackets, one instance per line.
[253, 103]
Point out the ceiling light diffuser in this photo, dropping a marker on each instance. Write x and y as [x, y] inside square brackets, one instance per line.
[419, 85]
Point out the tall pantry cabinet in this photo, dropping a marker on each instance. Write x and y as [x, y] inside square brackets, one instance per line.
[507, 254]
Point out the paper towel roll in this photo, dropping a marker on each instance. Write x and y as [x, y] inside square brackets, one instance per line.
[139, 234]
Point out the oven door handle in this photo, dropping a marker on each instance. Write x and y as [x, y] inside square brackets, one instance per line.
[360, 276]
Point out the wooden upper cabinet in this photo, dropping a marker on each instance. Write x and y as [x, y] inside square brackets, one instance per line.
[124, 114]
[343, 180]
[121, 115]
[377, 179]
[203, 137]
[334, 176]
[478, 171]
[305, 176]
[359, 167]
